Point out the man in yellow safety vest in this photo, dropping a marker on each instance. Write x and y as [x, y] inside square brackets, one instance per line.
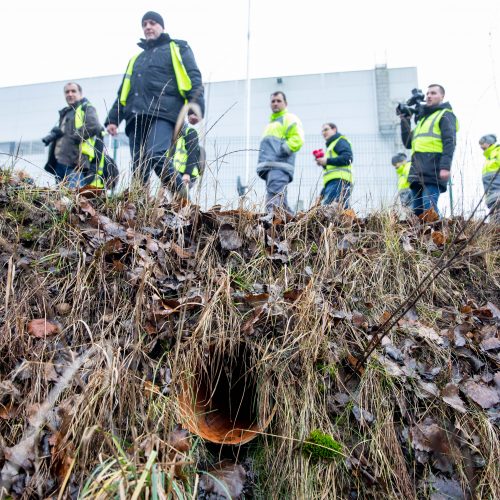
[402, 166]
[491, 175]
[71, 142]
[432, 143]
[282, 139]
[156, 85]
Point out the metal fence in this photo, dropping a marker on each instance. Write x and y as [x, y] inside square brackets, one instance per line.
[375, 182]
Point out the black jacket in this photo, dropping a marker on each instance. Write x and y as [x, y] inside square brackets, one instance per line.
[70, 142]
[342, 148]
[153, 90]
[425, 167]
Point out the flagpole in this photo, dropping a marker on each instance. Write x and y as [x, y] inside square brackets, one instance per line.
[248, 102]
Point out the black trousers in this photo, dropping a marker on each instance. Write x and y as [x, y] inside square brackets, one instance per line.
[150, 139]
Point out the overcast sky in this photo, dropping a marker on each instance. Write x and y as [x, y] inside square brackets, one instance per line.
[453, 43]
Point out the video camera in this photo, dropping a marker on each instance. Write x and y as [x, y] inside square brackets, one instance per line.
[413, 106]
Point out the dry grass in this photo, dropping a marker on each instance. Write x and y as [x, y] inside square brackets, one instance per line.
[297, 298]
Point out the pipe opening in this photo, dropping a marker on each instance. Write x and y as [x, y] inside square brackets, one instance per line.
[221, 403]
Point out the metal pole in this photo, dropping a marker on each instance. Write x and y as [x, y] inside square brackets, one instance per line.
[450, 190]
[248, 101]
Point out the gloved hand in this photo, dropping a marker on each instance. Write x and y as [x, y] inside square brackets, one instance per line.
[284, 149]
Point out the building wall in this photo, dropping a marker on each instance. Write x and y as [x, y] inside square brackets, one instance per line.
[349, 99]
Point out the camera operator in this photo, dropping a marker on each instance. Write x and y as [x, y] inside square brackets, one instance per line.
[432, 142]
[71, 141]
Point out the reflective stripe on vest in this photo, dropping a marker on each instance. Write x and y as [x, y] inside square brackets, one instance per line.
[98, 181]
[183, 81]
[427, 134]
[87, 148]
[126, 81]
[87, 145]
[492, 163]
[403, 171]
[181, 155]
[331, 172]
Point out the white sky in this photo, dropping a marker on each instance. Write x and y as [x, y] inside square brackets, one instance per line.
[453, 43]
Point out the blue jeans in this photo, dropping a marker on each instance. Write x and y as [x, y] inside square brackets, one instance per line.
[73, 177]
[336, 190]
[425, 197]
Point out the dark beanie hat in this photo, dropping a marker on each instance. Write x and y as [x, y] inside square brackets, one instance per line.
[488, 139]
[153, 16]
[398, 158]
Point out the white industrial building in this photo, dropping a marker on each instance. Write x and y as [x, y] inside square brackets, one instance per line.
[361, 103]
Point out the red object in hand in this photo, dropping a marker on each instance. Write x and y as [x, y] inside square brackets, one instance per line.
[318, 153]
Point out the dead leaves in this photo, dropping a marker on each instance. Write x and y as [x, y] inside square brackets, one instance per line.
[480, 393]
[42, 328]
[226, 481]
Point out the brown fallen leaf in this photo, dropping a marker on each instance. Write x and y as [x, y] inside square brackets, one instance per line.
[446, 489]
[226, 479]
[63, 308]
[356, 365]
[42, 328]
[181, 252]
[484, 396]
[292, 295]
[259, 298]
[491, 344]
[450, 396]
[179, 439]
[429, 215]
[359, 320]
[483, 312]
[129, 214]
[62, 456]
[429, 436]
[8, 410]
[385, 316]
[438, 238]
[229, 238]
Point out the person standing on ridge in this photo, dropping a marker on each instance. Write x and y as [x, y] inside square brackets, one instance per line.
[402, 166]
[282, 139]
[337, 167]
[72, 142]
[432, 142]
[491, 175]
[156, 85]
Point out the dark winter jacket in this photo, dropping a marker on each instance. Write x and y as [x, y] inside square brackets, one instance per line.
[343, 150]
[66, 149]
[425, 167]
[153, 90]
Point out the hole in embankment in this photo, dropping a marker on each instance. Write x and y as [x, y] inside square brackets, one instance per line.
[220, 401]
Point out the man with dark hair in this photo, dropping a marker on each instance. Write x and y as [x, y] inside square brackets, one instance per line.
[491, 175]
[156, 85]
[282, 138]
[432, 142]
[72, 141]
